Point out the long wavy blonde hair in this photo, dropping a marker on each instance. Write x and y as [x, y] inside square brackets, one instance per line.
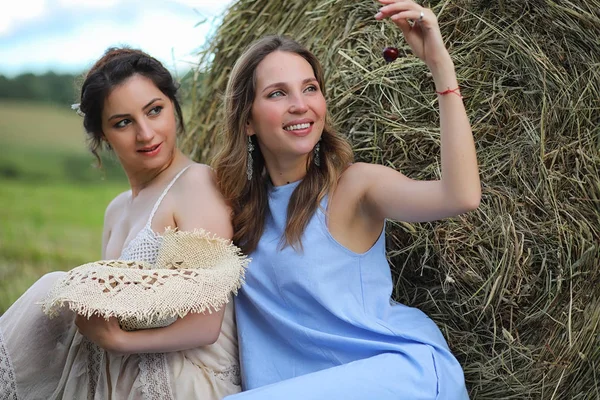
[249, 198]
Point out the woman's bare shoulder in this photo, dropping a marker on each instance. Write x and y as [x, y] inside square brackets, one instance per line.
[199, 183]
[355, 177]
[198, 177]
[199, 204]
[117, 204]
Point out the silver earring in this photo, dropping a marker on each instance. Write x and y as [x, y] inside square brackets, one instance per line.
[249, 165]
[316, 156]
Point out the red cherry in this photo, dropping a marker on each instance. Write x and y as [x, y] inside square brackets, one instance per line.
[390, 54]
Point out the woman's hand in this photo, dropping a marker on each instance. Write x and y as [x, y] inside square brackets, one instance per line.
[105, 333]
[424, 36]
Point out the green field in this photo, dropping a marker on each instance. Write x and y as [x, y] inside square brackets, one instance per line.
[52, 198]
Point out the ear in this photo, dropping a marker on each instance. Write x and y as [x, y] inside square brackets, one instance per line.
[104, 140]
[249, 129]
[106, 143]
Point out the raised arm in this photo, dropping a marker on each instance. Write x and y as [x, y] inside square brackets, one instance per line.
[389, 194]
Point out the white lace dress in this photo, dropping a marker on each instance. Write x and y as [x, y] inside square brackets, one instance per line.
[42, 358]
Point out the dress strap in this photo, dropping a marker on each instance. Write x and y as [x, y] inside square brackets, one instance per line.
[162, 196]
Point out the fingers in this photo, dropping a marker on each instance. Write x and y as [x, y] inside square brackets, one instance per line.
[395, 1]
[407, 3]
[81, 322]
[396, 13]
[404, 25]
[392, 7]
[402, 10]
[406, 15]
[113, 322]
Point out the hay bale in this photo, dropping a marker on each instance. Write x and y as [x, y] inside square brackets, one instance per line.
[515, 285]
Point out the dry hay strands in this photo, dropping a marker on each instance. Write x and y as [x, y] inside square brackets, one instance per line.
[515, 285]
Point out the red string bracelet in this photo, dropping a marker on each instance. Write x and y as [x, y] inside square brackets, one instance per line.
[447, 91]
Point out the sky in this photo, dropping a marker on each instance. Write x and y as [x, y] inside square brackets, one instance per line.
[67, 36]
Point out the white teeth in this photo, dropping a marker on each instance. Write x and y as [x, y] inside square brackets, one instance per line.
[150, 149]
[297, 127]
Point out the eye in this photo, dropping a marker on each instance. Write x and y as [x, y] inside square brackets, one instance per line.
[122, 123]
[277, 93]
[311, 88]
[155, 110]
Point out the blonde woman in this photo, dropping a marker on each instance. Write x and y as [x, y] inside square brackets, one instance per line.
[315, 317]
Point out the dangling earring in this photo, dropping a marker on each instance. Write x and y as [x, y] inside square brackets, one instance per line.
[316, 156]
[249, 165]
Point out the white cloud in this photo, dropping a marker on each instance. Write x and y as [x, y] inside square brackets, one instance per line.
[167, 36]
[88, 3]
[212, 7]
[165, 29]
[20, 11]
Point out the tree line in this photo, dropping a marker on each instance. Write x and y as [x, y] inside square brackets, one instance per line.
[49, 87]
[54, 88]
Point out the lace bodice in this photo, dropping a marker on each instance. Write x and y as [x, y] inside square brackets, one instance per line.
[144, 246]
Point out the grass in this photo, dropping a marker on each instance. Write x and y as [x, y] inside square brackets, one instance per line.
[47, 227]
[34, 125]
[52, 200]
[44, 142]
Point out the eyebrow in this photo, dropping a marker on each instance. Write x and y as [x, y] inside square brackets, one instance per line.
[143, 108]
[307, 80]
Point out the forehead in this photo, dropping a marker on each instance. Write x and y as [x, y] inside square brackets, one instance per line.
[282, 66]
[133, 91]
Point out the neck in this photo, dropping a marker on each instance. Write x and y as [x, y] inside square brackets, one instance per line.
[141, 179]
[284, 172]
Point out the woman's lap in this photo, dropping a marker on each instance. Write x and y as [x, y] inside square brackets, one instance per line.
[382, 377]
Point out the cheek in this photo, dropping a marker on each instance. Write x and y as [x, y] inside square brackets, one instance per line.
[274, 120]
[269, 116]
[169, 125]
[321, 107]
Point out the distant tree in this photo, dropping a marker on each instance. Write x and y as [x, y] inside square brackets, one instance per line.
[63, 88]
[49, 87]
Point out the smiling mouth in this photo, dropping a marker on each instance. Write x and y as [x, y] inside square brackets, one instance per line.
[149, 149]
[297, 127]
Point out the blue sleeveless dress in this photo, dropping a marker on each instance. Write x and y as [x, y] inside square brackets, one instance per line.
[319, 324]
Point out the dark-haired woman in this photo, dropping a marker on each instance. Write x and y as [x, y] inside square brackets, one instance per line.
[129, 104]
[315, 317]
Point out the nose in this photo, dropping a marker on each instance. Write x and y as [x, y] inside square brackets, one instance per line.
[298, 104]
[145, 133]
